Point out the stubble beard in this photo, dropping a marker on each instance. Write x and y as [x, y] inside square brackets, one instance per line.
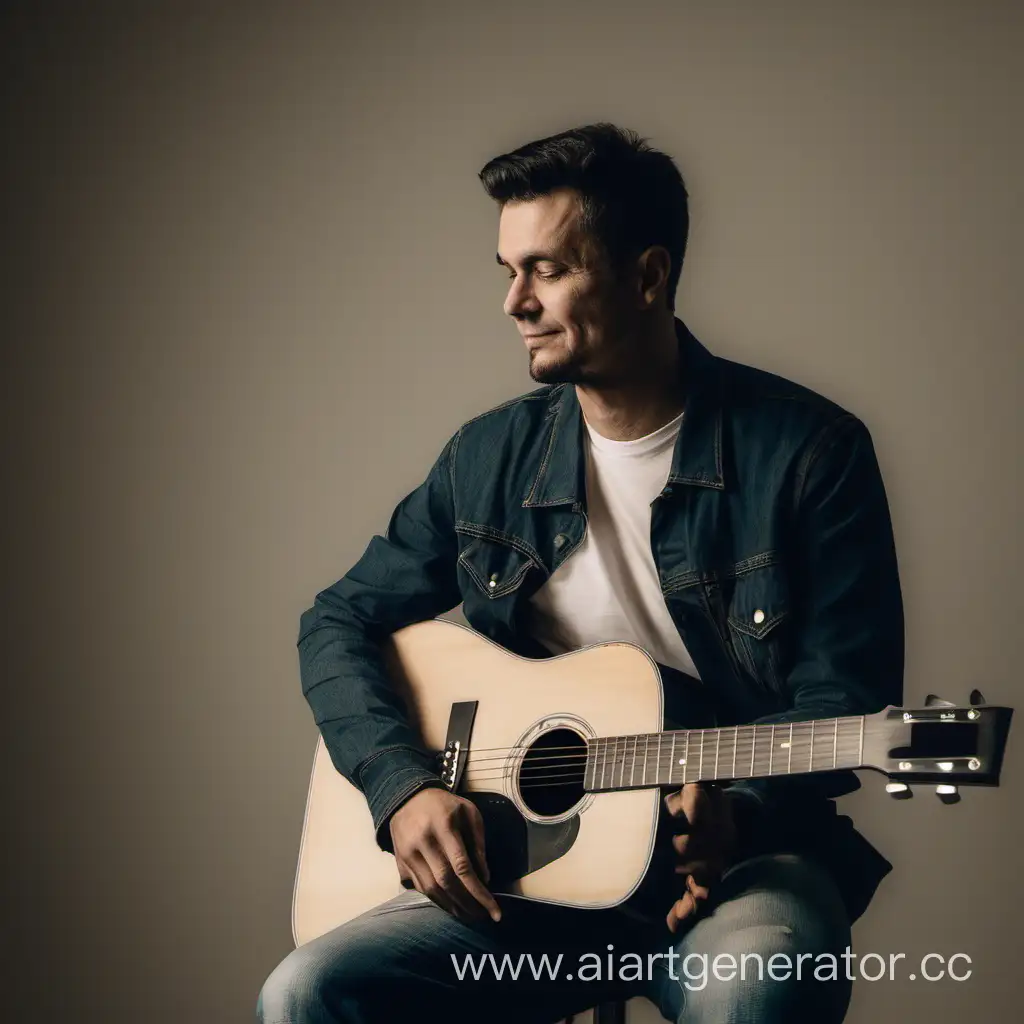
[560, 371]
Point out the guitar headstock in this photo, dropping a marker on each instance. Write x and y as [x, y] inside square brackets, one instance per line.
[942, 743]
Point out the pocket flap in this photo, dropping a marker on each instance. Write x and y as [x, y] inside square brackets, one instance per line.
[760, 601]
[495, 567]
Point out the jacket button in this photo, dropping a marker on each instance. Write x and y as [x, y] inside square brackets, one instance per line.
[560, 539]
[494, 580]
[758, 617]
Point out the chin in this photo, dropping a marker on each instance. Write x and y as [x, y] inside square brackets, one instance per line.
[556, 373]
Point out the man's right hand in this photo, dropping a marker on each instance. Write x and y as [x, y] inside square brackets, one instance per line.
[438, 839]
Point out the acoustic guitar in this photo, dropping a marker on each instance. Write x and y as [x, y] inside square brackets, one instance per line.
[566, 758]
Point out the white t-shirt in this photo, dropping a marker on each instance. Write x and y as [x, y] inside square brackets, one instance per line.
[608, 588]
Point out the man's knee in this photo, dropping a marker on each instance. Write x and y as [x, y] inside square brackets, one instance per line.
[770, 951]
[306, 989]
[764, 972]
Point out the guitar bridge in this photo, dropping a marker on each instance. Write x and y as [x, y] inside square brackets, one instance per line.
[450, 763]
[460, 727]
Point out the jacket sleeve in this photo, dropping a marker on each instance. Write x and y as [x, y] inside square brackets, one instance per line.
[406, 576]
[848, 649]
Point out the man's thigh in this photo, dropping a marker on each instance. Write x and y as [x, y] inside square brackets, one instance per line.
[780, 906]
[408, 954]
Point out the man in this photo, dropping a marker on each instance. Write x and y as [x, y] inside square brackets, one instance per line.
[731, 522]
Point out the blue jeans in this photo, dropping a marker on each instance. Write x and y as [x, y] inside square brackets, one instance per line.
[401, 960]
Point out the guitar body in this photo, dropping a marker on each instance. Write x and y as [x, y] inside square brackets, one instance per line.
[583, 849]
[565, 758]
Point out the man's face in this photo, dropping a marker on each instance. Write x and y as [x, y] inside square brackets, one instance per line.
[566, 304]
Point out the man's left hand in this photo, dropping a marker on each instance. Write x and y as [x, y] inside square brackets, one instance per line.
[706, 847]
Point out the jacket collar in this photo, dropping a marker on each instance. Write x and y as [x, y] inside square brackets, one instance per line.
[696, 458]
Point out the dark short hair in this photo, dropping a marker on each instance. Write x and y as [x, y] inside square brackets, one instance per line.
[631, 195]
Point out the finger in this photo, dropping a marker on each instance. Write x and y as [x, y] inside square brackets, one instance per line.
[466, 886]
[404, 874]
[674, 803]
[427, 884]
[700, 845]
[479, 851]
[683, 908]
[704, 872]
[692, 800]
[696, 890]
[447, 882]
[685, 803]
[683, 842]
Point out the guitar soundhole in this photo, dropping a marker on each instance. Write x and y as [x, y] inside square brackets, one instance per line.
[551, 775]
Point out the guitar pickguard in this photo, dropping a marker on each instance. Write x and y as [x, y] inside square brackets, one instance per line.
[515, 845]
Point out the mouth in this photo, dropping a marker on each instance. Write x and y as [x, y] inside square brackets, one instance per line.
[539, 334]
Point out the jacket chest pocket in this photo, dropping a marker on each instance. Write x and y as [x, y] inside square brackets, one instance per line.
[495, 567]
[758, 619]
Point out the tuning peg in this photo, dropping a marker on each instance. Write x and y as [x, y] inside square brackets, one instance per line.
[898, 790]
[932, 701]
[977, 698]
[947, 794]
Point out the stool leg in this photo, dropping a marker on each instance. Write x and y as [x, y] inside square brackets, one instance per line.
[610, 1013]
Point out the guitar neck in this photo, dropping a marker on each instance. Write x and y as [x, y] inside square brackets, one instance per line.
[732, 752]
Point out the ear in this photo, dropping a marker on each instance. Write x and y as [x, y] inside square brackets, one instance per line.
[655, 265]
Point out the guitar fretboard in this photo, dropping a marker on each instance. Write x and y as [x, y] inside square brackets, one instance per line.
[732, 752]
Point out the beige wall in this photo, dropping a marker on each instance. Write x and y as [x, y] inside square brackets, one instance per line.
[254, 292]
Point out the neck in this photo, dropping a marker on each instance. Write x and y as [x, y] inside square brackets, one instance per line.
[730, 752]
[645, 395]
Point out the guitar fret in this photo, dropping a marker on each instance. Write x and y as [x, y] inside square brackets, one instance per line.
[806, 745]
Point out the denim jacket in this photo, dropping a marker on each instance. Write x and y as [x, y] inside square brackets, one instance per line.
[774, 504]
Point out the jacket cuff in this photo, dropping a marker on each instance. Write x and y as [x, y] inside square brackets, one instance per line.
[388, 778]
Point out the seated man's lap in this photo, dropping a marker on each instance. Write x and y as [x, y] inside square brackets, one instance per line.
[409, 955]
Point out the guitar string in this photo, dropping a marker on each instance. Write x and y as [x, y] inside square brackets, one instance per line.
[681, 734]
[534, 780]
[531, 773]
[620, 764]
[577, 753]
[742, 750]
[757, 771]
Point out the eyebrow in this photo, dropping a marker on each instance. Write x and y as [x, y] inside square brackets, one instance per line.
[530, 258]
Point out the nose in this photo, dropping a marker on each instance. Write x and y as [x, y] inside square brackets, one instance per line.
[521, 301]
